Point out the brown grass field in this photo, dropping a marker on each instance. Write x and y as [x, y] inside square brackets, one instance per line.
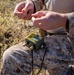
[12, 29]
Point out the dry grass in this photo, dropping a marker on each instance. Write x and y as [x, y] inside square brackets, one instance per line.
[12, 30]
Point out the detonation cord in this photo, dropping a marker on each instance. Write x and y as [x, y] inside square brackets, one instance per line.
[44, 46]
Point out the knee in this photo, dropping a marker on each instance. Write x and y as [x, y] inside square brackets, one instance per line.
[6, 59]
[13, 58]
[15, 50]
[7, 53]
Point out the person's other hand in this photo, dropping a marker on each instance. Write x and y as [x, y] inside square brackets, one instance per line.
[48, 20]
[24, 10]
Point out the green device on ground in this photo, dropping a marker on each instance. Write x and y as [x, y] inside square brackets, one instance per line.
[34, 40]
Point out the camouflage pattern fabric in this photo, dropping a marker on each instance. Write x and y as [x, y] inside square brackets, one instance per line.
[17, 59]
[60, 54]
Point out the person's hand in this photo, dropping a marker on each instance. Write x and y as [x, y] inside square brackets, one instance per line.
[48, 20]
[24, 10]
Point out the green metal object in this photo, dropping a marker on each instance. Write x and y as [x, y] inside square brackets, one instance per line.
[34, 40]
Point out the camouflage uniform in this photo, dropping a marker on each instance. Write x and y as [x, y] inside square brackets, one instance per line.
[17, 60]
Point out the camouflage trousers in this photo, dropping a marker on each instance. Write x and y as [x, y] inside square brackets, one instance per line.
[17, 60]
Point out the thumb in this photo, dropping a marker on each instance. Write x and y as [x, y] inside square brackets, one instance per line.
[24, 10]
[38, 14]
[27, 8]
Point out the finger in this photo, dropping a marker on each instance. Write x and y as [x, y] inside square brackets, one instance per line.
[41, 19]
[24, 10]
[27, 8]
[16, 13]
[39, 24]
[27, 17]
[38, 14]
[18, 9]
[38, 21]
[20, 6]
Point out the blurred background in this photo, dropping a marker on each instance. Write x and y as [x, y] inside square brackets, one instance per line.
[12, 29]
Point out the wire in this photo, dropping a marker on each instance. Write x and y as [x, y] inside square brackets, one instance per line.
[32, 62]
[44, 46]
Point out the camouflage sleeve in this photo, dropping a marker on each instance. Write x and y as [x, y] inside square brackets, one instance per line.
[38, 4]
[71, 23]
